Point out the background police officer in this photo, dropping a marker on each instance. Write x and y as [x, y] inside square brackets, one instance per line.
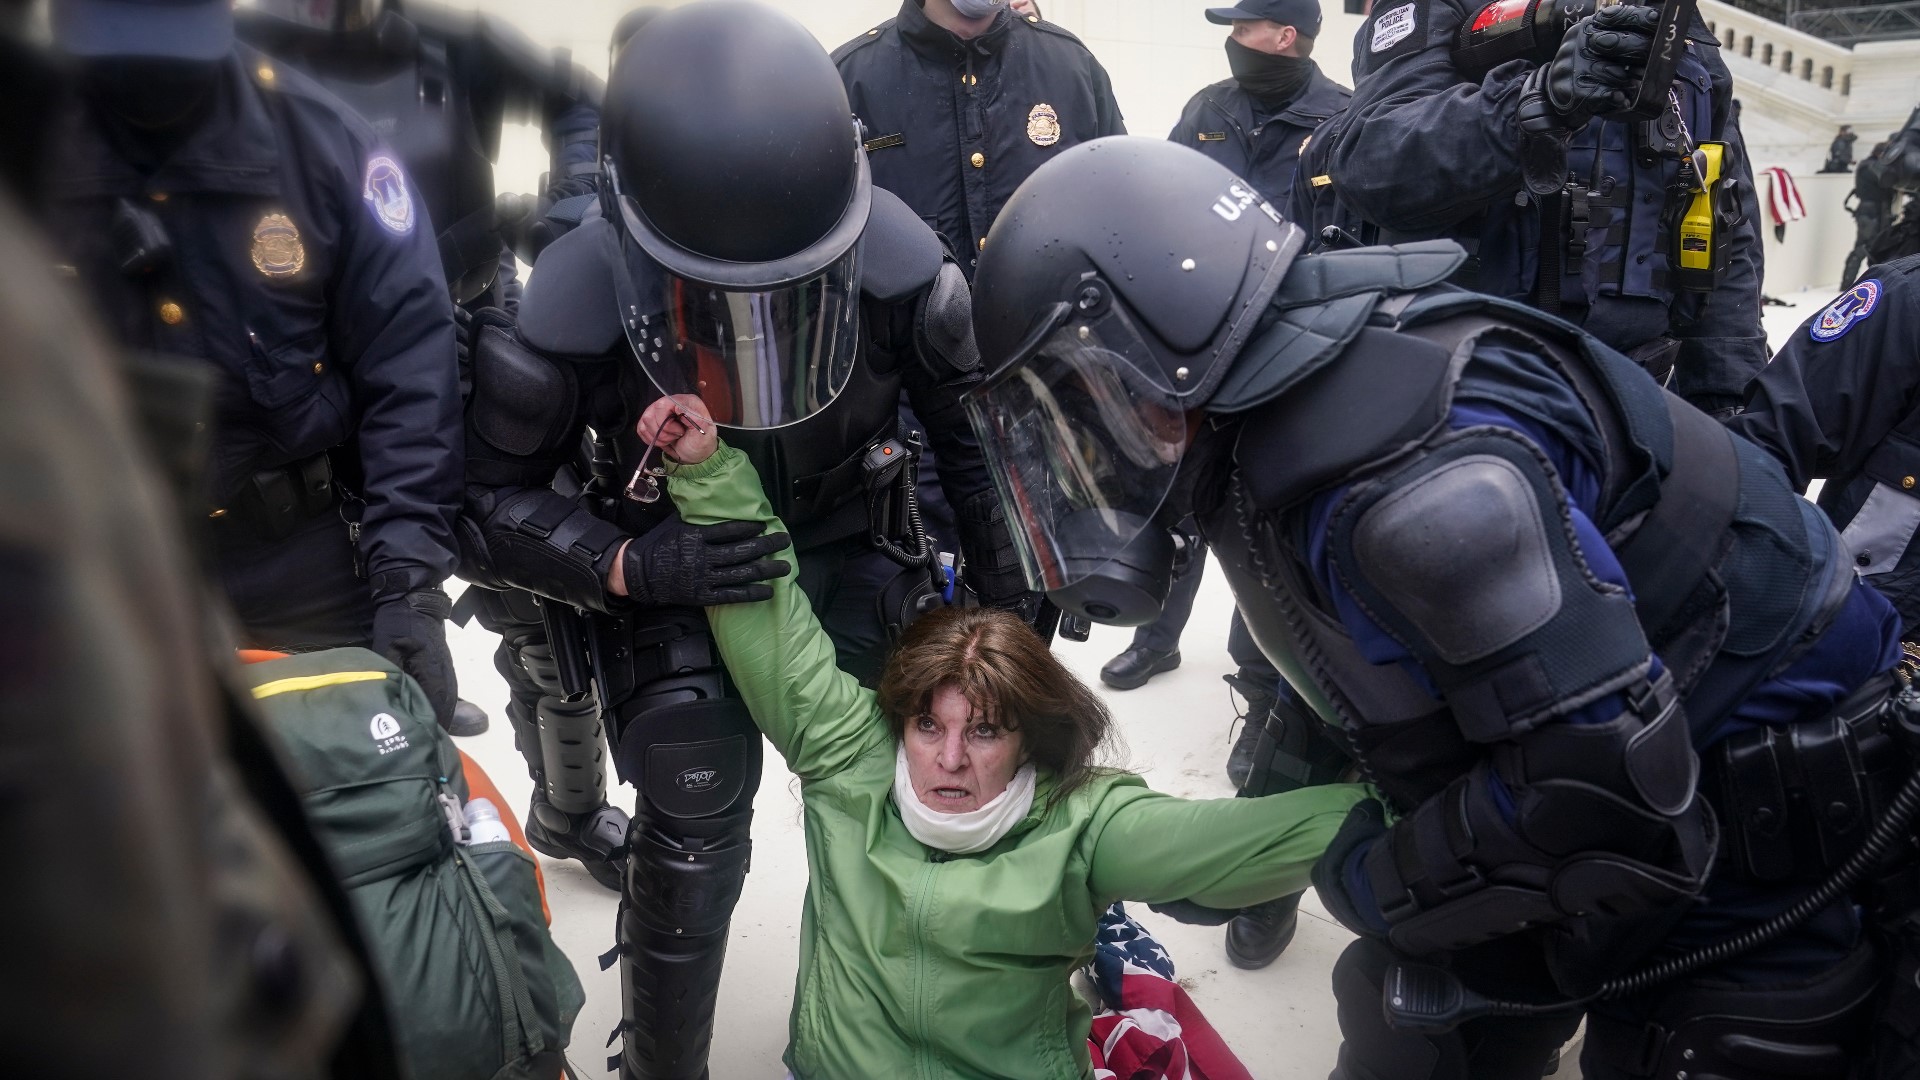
[1837, 403]
[1872, 209]
[1534, 592]
[962, 100]
[223, 208]
[1435, 148]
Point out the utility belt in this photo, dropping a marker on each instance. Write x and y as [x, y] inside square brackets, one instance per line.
[275, 503]
[1794, 802]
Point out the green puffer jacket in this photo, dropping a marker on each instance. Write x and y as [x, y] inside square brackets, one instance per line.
[920, 965]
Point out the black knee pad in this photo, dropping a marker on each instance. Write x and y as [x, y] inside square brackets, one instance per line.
[692, 759]
[1805, 1029]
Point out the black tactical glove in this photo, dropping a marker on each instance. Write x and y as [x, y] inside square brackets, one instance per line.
[1366, 823]
[1597, 70]
[680, 565]
[410, 629]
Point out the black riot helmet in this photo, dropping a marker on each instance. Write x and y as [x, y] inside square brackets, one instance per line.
[734, 170]
[1117, 287]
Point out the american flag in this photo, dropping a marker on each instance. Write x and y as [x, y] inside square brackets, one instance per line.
[1148, 1028]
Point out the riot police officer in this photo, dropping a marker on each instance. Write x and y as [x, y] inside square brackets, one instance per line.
[1836, 404]
[741, 253]
[962, 100]
[1555, 612]
[440, 84]
[1872, 209]
[1501, 125]
[222, 207]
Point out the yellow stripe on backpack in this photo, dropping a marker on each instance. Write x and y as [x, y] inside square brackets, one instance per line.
[315, 682]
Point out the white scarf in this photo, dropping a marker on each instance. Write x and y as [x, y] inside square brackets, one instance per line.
[967, 832]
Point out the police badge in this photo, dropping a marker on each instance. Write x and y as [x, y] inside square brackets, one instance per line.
[1043, 125]
[277, 251]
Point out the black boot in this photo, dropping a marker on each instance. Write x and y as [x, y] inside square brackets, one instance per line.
[1131, 669]
[598, 839]
[1252, 723]
[1258, 935]
[468, 720]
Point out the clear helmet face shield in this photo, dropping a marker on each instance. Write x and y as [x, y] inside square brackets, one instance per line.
[1084, 447]
[757, 358]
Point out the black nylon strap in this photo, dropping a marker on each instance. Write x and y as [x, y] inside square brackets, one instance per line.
[1680, 538]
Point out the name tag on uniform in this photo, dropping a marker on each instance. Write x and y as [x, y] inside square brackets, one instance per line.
[1213, 136]
[885, 141]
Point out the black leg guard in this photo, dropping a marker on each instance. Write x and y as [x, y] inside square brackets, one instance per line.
[1491, 1048]
[697, 764]
[1808, 1029]
[566, 751]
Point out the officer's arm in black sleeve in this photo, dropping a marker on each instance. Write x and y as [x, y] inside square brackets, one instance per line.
[1111, 122]
[392, 326]
[524, 421]
[1822, 407]
[547, 88]
[1468, 558]
[1427, 146]
[1722, 343]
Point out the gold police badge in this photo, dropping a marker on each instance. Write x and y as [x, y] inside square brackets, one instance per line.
[1043, 125]
[277, 251]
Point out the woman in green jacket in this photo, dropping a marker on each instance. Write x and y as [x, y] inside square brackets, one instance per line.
[961, 842]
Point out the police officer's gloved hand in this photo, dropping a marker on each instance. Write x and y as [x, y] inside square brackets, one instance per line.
[410, 629]
[675, 564]
[1339, 876]
[1597, 70]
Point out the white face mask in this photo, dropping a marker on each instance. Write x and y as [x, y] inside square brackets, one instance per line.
[974, 830]
[978, 9]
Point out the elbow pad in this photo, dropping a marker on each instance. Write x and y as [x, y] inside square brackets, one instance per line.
[1569, 821]
[943, 326]
[541, 541]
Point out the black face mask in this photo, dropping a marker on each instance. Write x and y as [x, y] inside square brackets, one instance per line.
[1274, 81]
[150, 105]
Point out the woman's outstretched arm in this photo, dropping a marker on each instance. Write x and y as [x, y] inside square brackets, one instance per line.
[1222, 853]
[818, 717]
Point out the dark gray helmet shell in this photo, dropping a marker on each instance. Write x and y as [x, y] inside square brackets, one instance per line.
[728, 126]
[1189, 251]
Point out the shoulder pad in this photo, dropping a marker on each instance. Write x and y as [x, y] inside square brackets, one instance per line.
[569, 307]
[902, 256]
[861, 42]
[1402, 268]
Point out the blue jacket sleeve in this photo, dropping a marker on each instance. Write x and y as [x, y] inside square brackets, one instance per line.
[392, 327]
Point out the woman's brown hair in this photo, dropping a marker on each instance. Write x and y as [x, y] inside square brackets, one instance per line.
[1009, 675]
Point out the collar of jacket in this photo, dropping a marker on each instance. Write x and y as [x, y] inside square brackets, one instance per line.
[234, 151]
[1319, 99]
[936, 42]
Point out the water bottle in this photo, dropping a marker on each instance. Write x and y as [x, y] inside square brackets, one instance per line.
[483, 822]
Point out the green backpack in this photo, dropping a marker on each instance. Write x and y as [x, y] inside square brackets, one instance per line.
[474, 983]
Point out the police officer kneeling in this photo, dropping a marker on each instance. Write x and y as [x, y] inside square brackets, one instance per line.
[1565, 622]
[224, 209]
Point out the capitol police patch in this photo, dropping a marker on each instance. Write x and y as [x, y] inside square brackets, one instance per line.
[386, 193]
[1840, 316]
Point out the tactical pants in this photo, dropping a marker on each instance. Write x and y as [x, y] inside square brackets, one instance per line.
[299, 593]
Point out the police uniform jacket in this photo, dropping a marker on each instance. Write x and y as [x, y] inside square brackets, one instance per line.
[954, 126]
[1838, 403]
[1226, 124]
[1434, 151]
[303, 269]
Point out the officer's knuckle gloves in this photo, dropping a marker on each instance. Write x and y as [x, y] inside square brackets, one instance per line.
[410, 629]
[681, 565]
[1599, 61]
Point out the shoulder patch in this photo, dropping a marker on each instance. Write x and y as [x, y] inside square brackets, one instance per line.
[1393, 26]
[386, 194]
[1853, 306]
